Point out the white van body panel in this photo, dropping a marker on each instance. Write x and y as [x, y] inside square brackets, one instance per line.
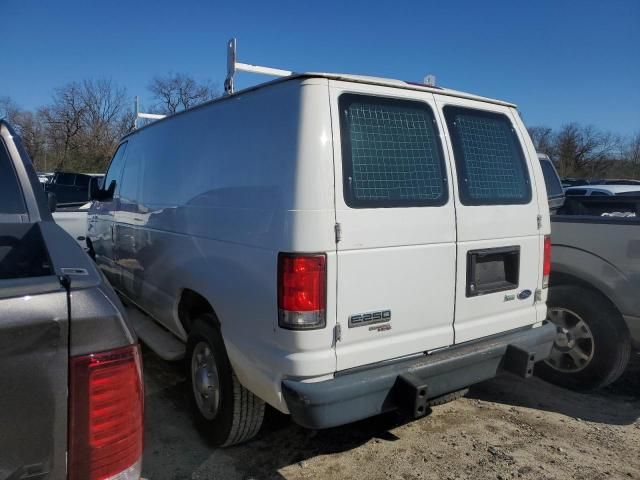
[397, 259]
[223, 188]
[495, 226]
[218, 228]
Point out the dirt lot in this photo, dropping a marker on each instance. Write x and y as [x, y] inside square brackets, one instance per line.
[505, 428]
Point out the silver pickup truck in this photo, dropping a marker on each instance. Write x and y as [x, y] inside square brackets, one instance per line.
[70, 370]
[594, 296]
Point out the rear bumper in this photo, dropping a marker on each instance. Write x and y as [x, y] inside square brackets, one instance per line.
[363, 392]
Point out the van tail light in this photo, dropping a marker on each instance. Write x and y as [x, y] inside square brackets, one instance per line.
[106, 415]
[302, 287]
[546, 266]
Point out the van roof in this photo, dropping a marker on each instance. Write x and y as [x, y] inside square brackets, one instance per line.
[390, 82]
[386, 82]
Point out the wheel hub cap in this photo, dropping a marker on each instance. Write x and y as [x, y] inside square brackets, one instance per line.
[564, 340]
[205, 380]
[573, 347]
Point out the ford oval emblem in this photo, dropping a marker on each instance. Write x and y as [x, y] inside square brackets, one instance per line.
[524, 294]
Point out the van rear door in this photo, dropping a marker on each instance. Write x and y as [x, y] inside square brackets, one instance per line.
[499, 242]
[396, 225]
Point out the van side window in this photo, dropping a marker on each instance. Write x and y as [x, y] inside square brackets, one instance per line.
[489, 158]
[391, 153]
[115, 168]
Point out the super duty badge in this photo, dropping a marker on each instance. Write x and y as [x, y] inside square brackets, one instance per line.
[369, 318]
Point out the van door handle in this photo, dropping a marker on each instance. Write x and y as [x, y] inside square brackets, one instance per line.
[112, 238]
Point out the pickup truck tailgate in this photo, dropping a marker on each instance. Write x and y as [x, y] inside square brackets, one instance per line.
[34, 356]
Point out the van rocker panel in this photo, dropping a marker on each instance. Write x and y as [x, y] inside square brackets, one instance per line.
[367, 391]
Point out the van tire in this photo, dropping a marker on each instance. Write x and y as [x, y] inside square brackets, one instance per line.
[449, 397]
[239, 413]
[611, 340]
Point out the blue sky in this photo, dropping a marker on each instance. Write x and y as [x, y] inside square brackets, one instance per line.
[559, 60]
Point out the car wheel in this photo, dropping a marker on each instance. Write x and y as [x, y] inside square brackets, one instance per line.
[592, 345]
[225, 412]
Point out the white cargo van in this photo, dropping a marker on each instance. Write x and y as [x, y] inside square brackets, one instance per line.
[333, 245]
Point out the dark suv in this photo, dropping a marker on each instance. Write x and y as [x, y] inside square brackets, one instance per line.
[73, 188]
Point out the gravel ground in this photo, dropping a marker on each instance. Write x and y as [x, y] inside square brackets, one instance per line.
[505, 428]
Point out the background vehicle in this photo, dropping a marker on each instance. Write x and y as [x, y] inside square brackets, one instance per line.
[73, 188]
[593, 295]
[45, 177]
[617, 181]
[71, 374]
[316, 288]
[74, 221]
[573, 182]
[603, 190]
[555, 192]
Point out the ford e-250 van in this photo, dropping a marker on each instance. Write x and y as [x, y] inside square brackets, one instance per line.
[335, 246]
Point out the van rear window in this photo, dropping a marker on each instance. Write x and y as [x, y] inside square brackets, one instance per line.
[489, 159]
[391, 153]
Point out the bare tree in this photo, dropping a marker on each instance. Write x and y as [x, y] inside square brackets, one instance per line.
[584, 150]
[542, 138]
[31, 128]
[84, 123]
[631, 154]
[175, 92]
[63, 119]
[105, 106]
[8, 108]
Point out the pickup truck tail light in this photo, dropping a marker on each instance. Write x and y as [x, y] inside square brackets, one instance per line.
[546, 266]
[302, 285]
[106, 415]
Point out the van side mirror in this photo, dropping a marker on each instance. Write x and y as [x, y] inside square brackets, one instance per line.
[52, 201]
[102, 195]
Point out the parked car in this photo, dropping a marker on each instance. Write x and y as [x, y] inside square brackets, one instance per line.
[335, 246]
[71, 377]
[573, 182]
[555, 192]
[45, 177]
[618, 181]
[74, 221]
[593, 295]
[73, 188]
[603, 190]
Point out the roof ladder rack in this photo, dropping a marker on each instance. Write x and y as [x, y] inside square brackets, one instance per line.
[234, 66]
[139, 114]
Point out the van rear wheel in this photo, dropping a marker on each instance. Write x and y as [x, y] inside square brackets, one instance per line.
[592, 345]
[225, 412]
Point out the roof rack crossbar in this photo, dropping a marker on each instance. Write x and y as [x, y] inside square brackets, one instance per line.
[139, 114]
[234, 66]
